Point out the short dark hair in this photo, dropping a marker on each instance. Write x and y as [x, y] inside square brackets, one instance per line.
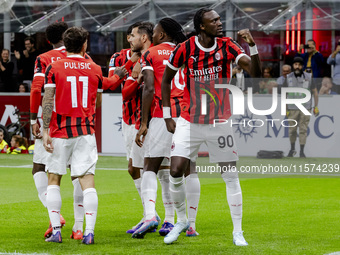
[74, 39]
[25, 86]
[31, 39]
[311, 40]
[136, 24]
[55, 31]
[146, 28]
[173, 29]
[6, 50]
[298, 60]
[198, 18]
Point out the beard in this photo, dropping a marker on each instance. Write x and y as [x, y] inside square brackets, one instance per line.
[297, 72]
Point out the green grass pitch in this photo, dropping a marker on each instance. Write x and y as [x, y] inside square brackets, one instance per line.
[282, 214]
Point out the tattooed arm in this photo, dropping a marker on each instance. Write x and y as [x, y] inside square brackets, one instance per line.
[47, 106]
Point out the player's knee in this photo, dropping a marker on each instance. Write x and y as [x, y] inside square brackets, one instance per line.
[134, 172]
[38, 168]
[176, 171]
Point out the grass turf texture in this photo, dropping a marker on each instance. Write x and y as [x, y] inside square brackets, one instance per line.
[282, 214]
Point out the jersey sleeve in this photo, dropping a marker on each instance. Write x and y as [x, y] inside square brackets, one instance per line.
[130, 89]
[39, 67]
[177, 57]
[146, 61]
[235, 50]
[37, 84]
[114, 62]
[49, 77]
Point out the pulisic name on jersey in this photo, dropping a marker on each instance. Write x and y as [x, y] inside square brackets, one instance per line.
[77, 65]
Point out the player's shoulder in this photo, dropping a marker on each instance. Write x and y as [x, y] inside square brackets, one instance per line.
[92, 64]
[125, 52]
[224, 40]
[58, 52]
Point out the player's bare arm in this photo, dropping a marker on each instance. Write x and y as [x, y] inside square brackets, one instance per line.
[147, 98]
[47, 106]
[252, 65]
[168, 75]
[99, 99]
[35, 126]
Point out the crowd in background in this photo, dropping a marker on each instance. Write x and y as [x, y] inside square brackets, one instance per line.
[16, 73]
[314, 63]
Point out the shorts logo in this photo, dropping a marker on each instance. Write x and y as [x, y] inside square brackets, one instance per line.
[217, 56]
[172, 146]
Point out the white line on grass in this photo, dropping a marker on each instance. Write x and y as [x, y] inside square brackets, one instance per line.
[100, 168]
[22, 166]
[17, 253]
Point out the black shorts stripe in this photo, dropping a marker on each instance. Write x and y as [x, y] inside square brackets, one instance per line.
[178, 107]
[68, 127]
[59, 121]
[79, 130]
[130, 111]
[88, 129]
[93, 119]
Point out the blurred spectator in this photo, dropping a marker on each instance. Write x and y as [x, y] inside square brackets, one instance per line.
[3, 143]
[6, 71]
[312, 59]
[298, 119]
[334, 59]
[286, 69]
[266, 85]
[26, 60]
[242, 79]
[326, 87]
[18, 145]
[23, 87]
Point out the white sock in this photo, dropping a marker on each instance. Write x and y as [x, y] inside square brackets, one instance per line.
[177, 192]
[234, 197]
[90, 207]
[193, 191]
[138, 184]
[149, 193]
[163, 177]
[53, 201]
[78, 206]
[41, 182]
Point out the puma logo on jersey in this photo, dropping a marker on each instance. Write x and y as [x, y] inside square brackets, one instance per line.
[194, 58]
[195, 208]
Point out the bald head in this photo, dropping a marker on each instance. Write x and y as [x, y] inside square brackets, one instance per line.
[286, 69]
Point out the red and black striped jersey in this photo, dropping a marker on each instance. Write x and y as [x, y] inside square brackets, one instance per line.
[205, 67]
[119, 59]
[129, 106]
[41, 63]
[155, 59]
[77, 81]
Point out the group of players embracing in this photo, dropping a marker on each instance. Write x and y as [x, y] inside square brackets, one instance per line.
[163, 77]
